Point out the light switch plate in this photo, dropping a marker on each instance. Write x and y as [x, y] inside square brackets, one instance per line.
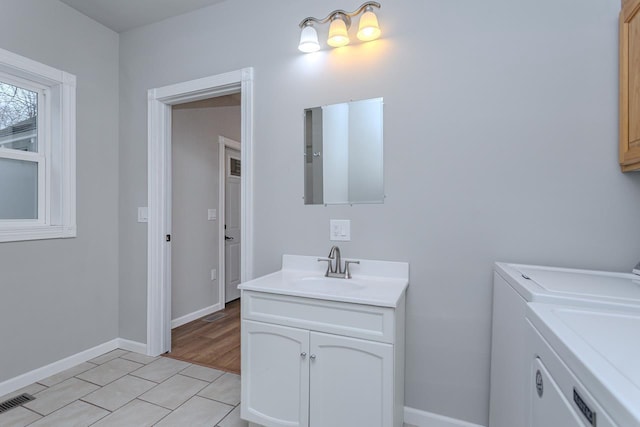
[211, 214]
[340, 229]
[143, 214]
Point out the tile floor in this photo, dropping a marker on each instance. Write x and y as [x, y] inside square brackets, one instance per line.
[126, 389]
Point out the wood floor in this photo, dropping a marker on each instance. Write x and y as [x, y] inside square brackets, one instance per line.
[213, 344]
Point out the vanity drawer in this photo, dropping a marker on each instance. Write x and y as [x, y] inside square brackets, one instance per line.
[348, 319]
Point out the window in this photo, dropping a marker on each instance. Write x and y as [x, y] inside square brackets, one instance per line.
[37, 150]
[234, 166]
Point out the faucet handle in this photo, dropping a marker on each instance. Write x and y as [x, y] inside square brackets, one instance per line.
[328, 260]
[347, 273]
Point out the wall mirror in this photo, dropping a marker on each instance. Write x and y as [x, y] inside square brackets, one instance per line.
[343, 153]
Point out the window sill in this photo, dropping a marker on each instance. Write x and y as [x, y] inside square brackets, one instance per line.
[36, 232]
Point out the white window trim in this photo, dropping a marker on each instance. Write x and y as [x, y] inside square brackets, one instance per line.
[58, 219]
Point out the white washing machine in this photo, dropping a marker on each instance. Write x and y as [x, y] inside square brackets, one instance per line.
[584, 367]
[514, 286]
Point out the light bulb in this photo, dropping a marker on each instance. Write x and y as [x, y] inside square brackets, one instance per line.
[308, 39]
[338, 35]
[368, 29]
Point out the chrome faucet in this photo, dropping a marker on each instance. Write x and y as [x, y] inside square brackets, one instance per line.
[334, 254]
[334, 264]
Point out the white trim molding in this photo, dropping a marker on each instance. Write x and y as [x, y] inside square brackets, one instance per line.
[136, 347]
[56, 153]
[195, 315]
[246, 184]
[160, 101]
[420, 418]
[43, 372]
[16, 383]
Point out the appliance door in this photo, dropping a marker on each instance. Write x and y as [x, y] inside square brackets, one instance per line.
[548, 405]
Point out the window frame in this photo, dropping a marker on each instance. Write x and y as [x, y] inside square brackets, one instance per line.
[55, 157]
[40, 155]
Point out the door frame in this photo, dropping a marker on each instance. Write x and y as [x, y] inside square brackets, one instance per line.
[160, 101]
[223, 144]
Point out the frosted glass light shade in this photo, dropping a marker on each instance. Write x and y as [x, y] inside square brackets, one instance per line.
[338, 35]
[309, 40]
[368, 29]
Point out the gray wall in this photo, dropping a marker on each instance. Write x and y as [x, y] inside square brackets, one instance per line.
[194, 247]
[500, 144]
[60, 297]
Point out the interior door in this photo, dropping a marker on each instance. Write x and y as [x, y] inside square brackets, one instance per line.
[232, 224]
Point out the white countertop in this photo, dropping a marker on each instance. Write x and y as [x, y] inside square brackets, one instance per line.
[379, 283]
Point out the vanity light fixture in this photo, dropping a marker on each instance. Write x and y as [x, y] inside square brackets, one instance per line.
[309, 39]
[338, 35]
[338, 29]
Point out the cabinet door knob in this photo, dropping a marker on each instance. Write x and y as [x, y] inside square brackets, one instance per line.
[303, 354]
[313, 356]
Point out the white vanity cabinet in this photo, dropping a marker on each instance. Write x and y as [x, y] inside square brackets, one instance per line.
[277, 391]
[350, 382]
[310, 362]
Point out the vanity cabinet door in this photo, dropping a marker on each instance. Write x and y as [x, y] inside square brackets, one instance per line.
[351, 382]
[630, 85]
[275, 375]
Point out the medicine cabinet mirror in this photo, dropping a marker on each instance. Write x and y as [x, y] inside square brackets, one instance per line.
[343, 153]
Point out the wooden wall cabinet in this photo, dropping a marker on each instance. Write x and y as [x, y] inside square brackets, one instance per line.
[630, 85]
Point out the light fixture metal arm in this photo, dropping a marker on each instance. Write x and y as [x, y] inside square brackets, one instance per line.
[348, 15]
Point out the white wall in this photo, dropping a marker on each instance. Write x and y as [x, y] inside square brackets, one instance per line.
[500, 144]
[60, 297]
[194, 247]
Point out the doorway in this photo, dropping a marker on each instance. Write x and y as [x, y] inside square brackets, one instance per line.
[205, 329]
[160, 103]
[211, 340]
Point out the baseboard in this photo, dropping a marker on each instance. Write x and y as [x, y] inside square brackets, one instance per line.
[420, 418]
[38, 374]
[16, 383]
[134, 346]
[195, 315]
[425, 419]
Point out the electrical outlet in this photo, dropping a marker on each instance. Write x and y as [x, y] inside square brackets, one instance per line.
[214, 274]
[340, 229]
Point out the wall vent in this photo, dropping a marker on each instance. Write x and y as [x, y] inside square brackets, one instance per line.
[14, 402]
[214, 317]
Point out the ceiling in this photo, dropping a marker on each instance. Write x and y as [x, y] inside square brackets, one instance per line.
[123, 15]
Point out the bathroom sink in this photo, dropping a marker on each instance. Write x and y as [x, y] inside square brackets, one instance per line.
[379, 283]
[315, 282]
